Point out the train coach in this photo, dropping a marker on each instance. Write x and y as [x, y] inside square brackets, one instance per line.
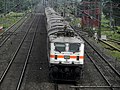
[65, 48]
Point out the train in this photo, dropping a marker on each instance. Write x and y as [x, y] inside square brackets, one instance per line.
[65, 48]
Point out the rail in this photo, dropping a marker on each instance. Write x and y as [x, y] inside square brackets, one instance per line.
[114, 41]
[27, 58]
[13, 25]
[15, 54]
[6, 38]
[94, 86]
[110, 45]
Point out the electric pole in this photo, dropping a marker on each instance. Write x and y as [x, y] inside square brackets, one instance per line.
[75, 7]
[110, 14]
[64, 11]
[99, 31]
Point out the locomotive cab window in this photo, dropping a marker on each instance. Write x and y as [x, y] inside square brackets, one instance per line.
[60, 47]
[74, 47]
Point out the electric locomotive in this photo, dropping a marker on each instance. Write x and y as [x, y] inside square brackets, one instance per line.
[65, 48]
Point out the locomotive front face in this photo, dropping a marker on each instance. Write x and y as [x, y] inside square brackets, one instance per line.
[69, 52]
[66, 58]
[66, 53]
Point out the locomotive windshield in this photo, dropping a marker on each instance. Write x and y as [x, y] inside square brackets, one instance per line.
[74, 47]
[60, 47]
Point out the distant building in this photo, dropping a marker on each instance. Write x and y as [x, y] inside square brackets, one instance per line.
[90, 14]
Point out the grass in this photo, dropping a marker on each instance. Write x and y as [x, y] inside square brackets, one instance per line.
[109, 32]
[105, 29]
[115, 54]
[105, 22]
[110, 51]
[114, 44]
[10, 19]
[75, 21]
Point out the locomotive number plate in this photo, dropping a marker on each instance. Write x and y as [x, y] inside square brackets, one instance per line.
[66, 57]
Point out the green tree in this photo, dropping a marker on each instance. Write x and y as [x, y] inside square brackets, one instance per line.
[7, 6]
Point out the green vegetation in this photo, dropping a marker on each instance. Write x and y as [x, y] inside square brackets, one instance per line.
[109, 32]
[12, 10]
[7, 6]
[74, 21]
[111, 52]
[115, 54]
[105, 22]
[10, 19]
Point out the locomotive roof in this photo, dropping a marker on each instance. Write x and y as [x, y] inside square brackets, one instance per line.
[55, 21]
[54, 18]
[56, 24]
[58, 28]
[67, 39]
[55, 29]
[49, 10]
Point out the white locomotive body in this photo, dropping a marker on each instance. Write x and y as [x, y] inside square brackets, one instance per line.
[65, 48]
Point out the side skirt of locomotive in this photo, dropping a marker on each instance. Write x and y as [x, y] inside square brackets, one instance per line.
[62, 72]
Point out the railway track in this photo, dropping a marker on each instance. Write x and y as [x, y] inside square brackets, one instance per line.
[19, 60]
[19, 46]
[36, 75]
[12, 30]
[110, 45]
[9, 48]
[27, 58]
[107, 71]
[64, 86]
[111, 81]
[114, 41]
[105, 86]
